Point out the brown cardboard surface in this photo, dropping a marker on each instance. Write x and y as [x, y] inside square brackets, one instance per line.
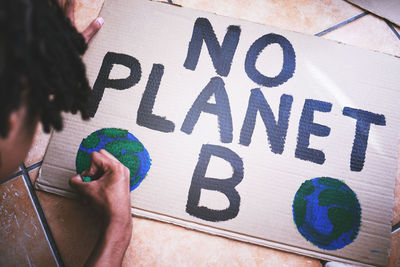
[387, 9]
[345, 76]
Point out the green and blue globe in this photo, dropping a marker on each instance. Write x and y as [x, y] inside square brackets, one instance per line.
[121, 144]
[327, 213]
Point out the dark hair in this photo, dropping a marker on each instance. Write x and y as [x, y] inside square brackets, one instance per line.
[40, 58]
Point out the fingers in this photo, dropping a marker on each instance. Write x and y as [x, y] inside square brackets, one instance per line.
[92, 29]
[98, 165]
[77, 184]
[108, 155]
[104, 164]
[113, 163]
[69, 10]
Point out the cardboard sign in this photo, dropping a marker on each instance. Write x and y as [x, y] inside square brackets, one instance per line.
[255, 133]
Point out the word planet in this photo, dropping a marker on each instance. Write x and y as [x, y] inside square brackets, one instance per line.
[327, 213]
[121, 144]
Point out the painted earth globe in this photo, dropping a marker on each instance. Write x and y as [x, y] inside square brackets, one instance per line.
[327, 213]
[121, 144]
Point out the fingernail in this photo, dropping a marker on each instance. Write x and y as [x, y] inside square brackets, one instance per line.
[100, 20]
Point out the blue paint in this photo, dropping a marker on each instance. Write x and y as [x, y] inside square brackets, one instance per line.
[363, 125]
[221, 108]
[312, 213]
[225, 186]
[308, 127]
[144, 157]
[145, 116]
[221, 55]
[289, 60]
[276, 131]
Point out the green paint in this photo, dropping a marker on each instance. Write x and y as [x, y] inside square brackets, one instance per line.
[87, 179]
[131, 161]
[114, 132]
[117, 146]
[299, 204]
[334, 183]
[354, 235]
[306, 188]
[342, 221]
[91, 141]
[300, 208]
[335, 197]
[82, 161]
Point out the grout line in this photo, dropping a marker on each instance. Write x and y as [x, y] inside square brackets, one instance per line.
[342, 24]
[41, 215]
[14, 175]
[395, 227]
[34, 166]
[393, 29]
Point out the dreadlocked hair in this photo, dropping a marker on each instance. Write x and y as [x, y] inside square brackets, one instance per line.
[40, 57]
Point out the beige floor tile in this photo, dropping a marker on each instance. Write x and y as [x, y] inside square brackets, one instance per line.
[368, 32]
[306, 16]
[33, 174]
[22, 239]
[86, 12]
[160, 244]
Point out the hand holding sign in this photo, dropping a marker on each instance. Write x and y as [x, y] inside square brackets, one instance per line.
[93, 27]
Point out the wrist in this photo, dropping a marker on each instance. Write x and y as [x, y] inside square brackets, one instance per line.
[118, 220]
[119, 228]
[113, 243]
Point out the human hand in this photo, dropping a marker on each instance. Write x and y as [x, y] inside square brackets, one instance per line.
[91, 30]
[109, 192]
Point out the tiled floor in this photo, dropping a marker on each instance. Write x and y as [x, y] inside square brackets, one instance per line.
[23, 241]
[74, 226]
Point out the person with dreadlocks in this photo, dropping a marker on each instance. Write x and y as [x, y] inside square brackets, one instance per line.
[41, 76]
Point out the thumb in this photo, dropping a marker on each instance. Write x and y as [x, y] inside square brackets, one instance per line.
[92, 29]
[77, 184]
